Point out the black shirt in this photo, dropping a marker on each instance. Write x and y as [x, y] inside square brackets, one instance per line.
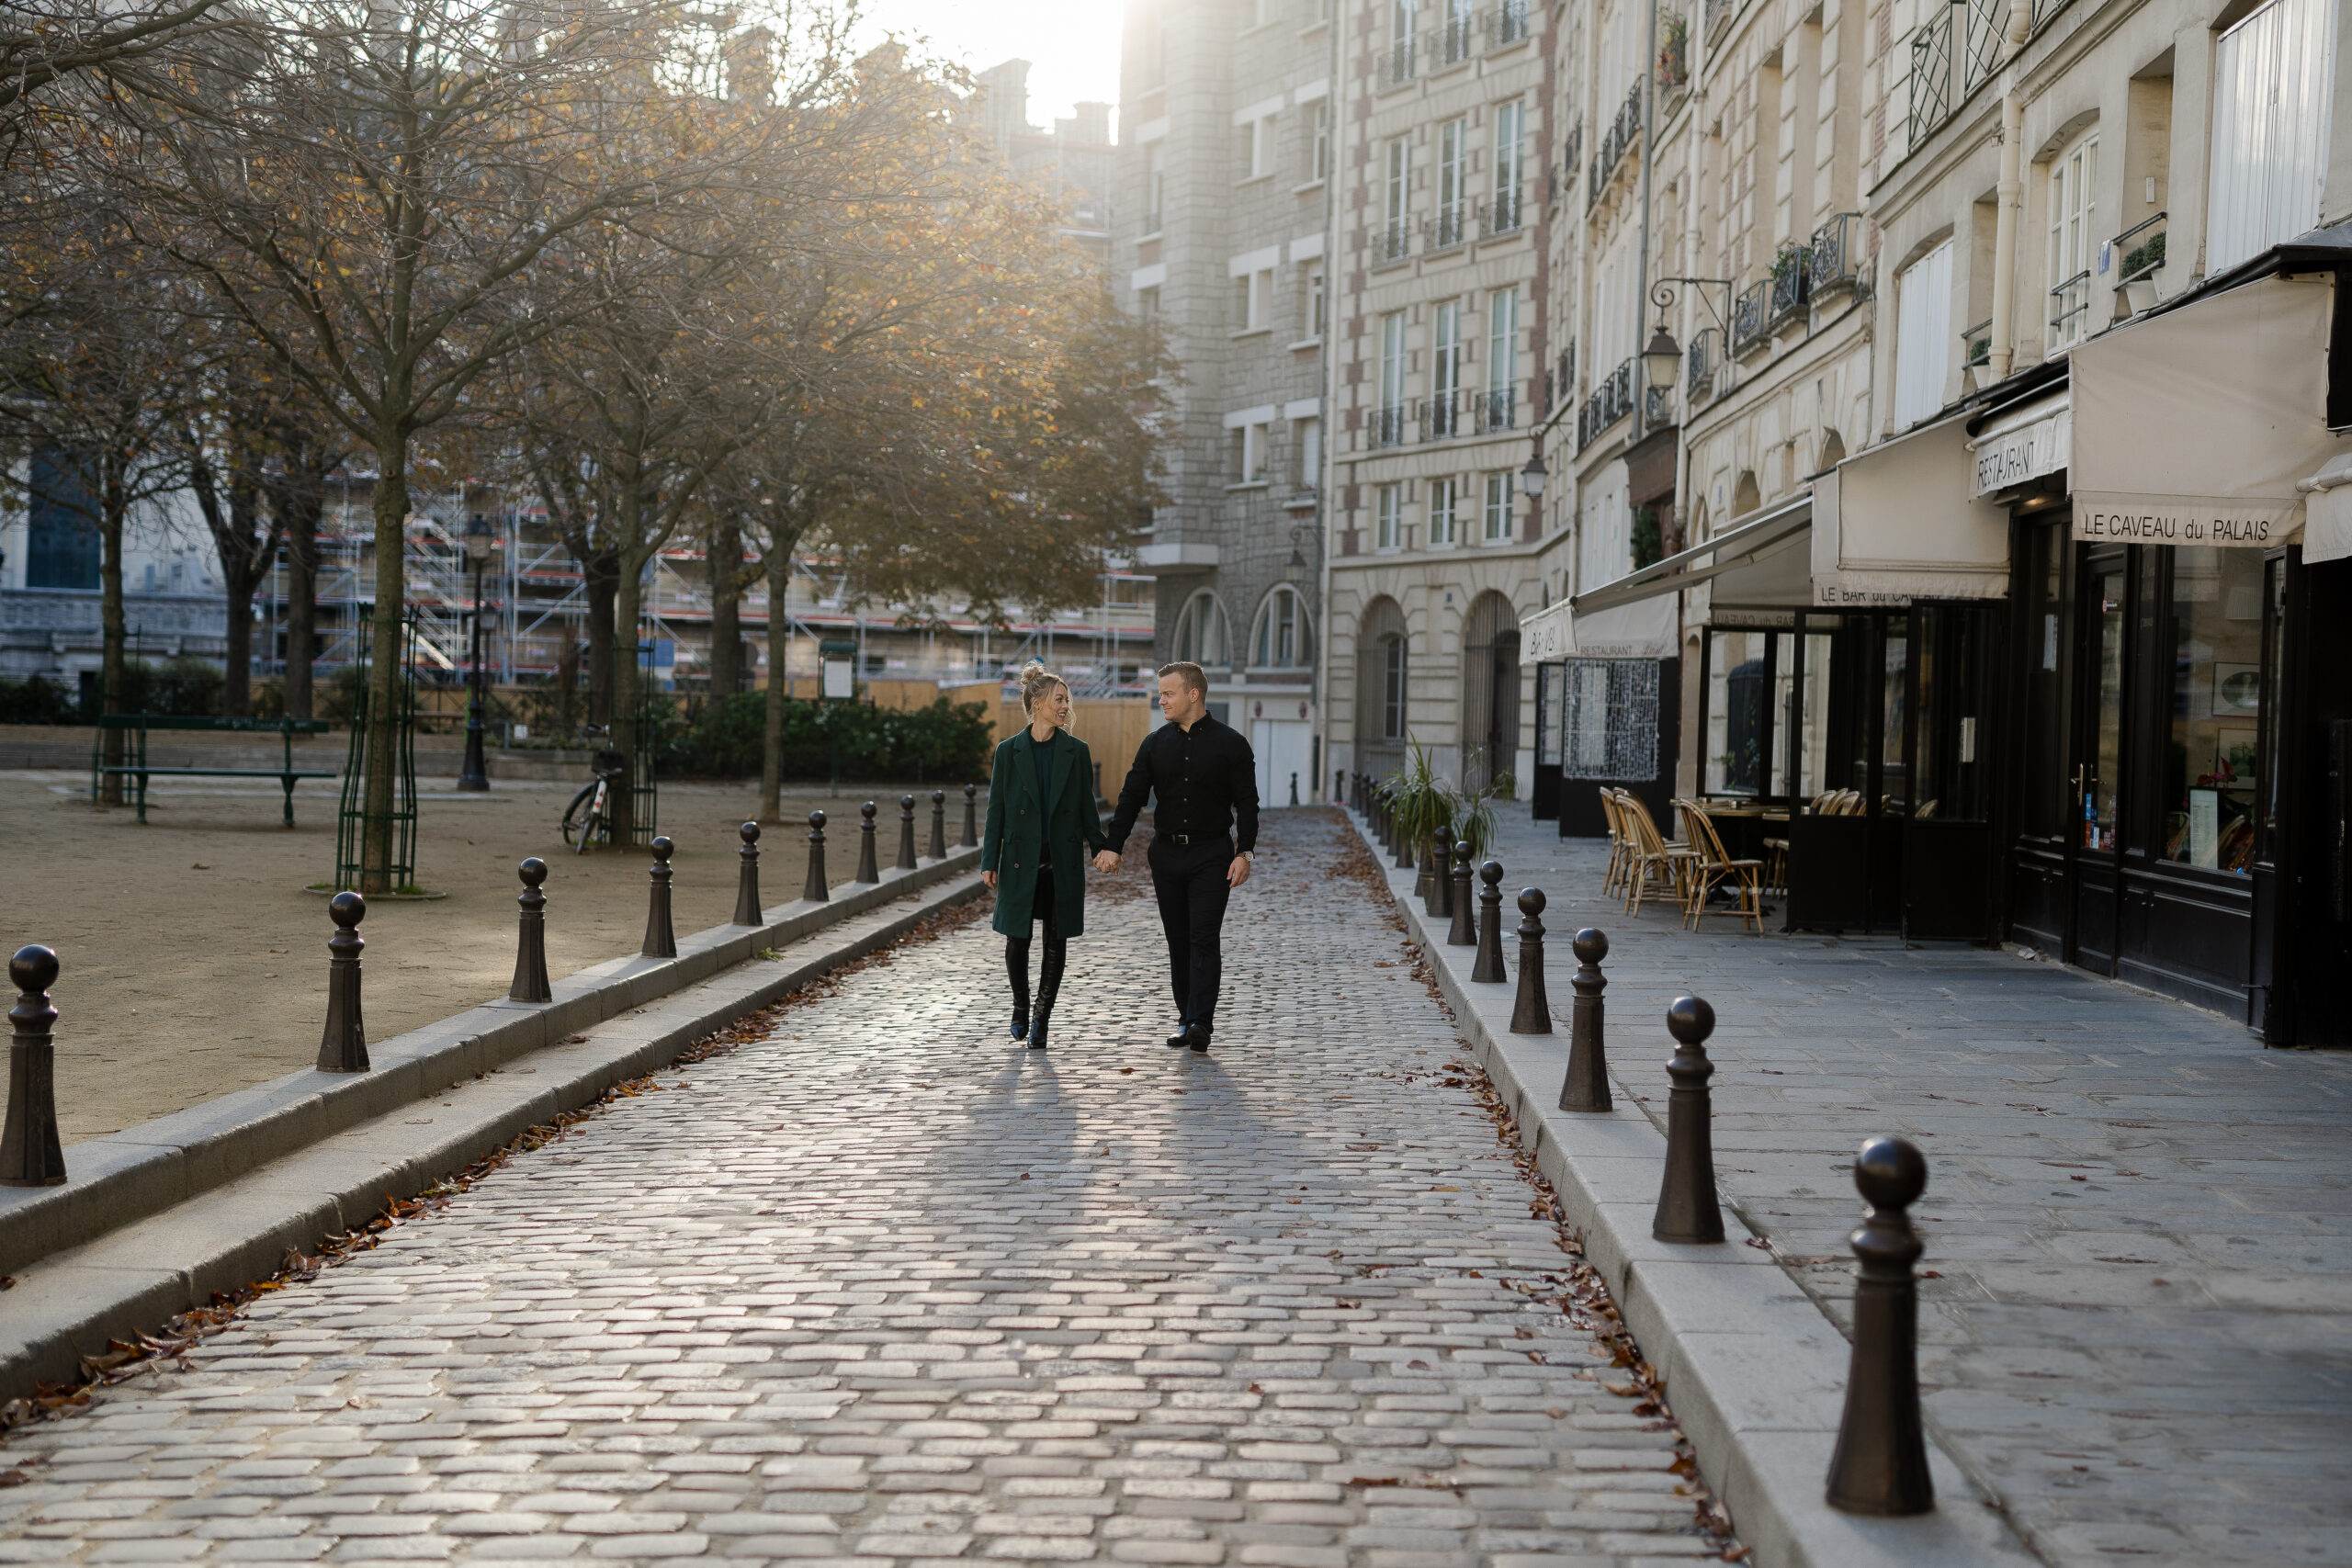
[1205, 779]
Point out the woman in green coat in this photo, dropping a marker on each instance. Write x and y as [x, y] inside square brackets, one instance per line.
[1040, 823]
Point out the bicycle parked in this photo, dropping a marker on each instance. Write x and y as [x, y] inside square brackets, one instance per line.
[590, 814]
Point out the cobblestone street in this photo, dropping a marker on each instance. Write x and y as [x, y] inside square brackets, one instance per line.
[882, 1287]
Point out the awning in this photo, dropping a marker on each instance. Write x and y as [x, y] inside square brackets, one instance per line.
[1634, 616]
[2327, 526]
[1902, 521]
[2197, 425]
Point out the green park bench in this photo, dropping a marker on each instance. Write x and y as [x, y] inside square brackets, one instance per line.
[137, 726]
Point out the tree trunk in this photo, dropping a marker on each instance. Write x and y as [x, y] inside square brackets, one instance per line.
[627, 595]
[725, 611]
[602, 577]
[302, 524]
[245, 557]
[384, 672]
[779, 568]
[113, 503]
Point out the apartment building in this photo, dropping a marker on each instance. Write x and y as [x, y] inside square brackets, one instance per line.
[1436, 380]
[1075, 161]
[1224, 194]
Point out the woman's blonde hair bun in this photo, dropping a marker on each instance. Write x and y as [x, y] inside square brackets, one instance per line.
[1034, 681]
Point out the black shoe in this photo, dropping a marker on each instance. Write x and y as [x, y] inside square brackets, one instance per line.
[1020, 1026]
[1181, 1038]
[1038, 1033]
[1197, 1037]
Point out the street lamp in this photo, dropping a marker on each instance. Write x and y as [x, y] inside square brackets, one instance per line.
[1532, 477]
[1662, 359]
[474, 775]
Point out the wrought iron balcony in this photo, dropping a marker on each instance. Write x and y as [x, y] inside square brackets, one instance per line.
[1986, 20]
[1507, 24]
[1441, 416]
[1611, 401]
[1453, 39]
[1792, 283]
[2139, 254]
[1750, 316]
[1615, 144]
[1495, 408]
[1397, 65]
[1698, 362]
[1500, 214]
[1390, 425]
[2070, 305]
[1393, 243]
[1450, 228]
[1976, 345]
[1837, 254]
[1719, 13]
[1931, 74]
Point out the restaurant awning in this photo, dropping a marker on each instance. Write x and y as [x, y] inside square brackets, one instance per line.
[2197, 425]
[1904, 520]
[1634, 616]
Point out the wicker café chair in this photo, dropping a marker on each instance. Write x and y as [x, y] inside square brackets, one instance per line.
[1712, 867]
[1619, 848]
[1654, 861]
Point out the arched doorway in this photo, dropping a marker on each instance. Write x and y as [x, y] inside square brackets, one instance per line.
[1489, 735]
[1382, 679]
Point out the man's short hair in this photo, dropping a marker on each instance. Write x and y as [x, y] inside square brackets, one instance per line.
[1191, 675]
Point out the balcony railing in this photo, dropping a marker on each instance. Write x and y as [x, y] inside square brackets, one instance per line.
[1930, 73]
[1750, 316]
[1450, 228]
[1719, 13]
[2140, 253]
[1500, 214]
[1441, 416]
[2045, 9]
[1792, 283]
[1986, 19]
[1493, 409]
[1507, 24]
[1611, 401]
[2070, 304]
[1615, 144]
[1837, 254]
[1393, 243]
[1390, 425]
[1674, 54]
[1976, 345]
[1453, 39]
[1699, 362]
[1397, 65]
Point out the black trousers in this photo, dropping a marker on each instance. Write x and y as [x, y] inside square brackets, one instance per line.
[1190, 881]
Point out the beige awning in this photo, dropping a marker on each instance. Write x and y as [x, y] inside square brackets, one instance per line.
[1634, 617]
[2196, 425]
[1902, 521]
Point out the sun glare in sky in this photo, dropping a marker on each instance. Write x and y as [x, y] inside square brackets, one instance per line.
[1072, 46]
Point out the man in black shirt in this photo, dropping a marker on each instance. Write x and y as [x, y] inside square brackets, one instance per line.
[1205, 784]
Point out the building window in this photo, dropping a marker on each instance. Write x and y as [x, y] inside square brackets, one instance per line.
[1511, 136]
[1446, 368]
[1388, 518]
[1200, 632]
[1147, 303]
[1392, 688]
[61, 527]
[1284, 640]
[2212, 784]
[1443, 495]
[1257, 148]
[1453, 184]
[1389, 419]
[1497, 508]
[1319, 139]
[1154, 186]
[1253, 300]
[1311, 299]
[2073, 239]
[2274, 81]
[1306, 445]
[1502, 357]
[1247, 443]
[1398, 199]
[1922, 336]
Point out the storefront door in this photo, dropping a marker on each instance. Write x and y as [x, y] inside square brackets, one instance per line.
[1948, 830]
[2103, 619]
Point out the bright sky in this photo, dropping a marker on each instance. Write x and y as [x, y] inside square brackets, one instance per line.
[1072, 46]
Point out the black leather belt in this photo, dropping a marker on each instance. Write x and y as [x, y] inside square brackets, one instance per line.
[1189, 839]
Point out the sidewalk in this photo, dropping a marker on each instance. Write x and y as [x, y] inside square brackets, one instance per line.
[2137, 1333]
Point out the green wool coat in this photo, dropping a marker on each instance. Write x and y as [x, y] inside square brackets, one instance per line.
[1019, 838]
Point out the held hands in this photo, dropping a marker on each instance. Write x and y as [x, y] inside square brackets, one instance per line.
[1106, 860]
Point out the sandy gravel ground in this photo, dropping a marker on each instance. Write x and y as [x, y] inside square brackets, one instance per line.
[194, 963]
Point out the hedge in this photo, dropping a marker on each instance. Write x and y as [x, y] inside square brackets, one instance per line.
[945, 743]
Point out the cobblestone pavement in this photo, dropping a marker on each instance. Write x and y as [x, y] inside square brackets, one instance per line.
[2138, 1326]
[881, 1287]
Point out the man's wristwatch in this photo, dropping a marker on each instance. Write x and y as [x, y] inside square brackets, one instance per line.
[1250, 856]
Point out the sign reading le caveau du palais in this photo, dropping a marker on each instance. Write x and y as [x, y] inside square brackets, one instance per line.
[2106, 517]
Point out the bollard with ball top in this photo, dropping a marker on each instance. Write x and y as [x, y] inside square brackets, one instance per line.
[30, 1152]
[869, 865]
[814, 889]
[1686, 1197]
[1880, 1465]
[747, 881]
[971, 839]
[1465, 920]
[906, 861]
[343, 1044]
[937, 847]
[660, 936]
[1586, 1086]
[1532, 1012]
[531, 937]
[1487, 967]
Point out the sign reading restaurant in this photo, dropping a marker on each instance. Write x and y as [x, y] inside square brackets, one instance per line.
[2108, 517]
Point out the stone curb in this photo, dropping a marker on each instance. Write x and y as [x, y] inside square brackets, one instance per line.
[137, 1275]
[1755, 1372]
[121, 1179]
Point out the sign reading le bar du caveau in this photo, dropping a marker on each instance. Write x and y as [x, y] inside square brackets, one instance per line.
[2106, 517]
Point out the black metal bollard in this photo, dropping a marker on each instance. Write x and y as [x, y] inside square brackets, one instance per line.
[1686, 1197]
[30, 1154]
[906, 832]
[937, 847]
[814, 890]
[747, 881]
[1532, 1012]
[1294, 788]
[1880, 1465]
[1586, 1086]
[1489, 966]
[531, 937]
[1466, 922]
[660, 936]
[343, 1044]
[869, 866]
[971, 839]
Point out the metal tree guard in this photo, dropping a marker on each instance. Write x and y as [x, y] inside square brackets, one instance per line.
[353, 821]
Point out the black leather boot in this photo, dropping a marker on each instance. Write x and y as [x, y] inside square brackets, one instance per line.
[1016, 968]
[1049, 985]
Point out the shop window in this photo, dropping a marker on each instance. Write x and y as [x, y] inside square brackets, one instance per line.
[1608, 722]
[2212, 784]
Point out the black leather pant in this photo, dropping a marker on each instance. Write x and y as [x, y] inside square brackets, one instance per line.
[1049, 972]
[1190, 882]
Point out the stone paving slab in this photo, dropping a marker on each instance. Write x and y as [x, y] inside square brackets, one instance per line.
[883, 1288]
[2138, 1330]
